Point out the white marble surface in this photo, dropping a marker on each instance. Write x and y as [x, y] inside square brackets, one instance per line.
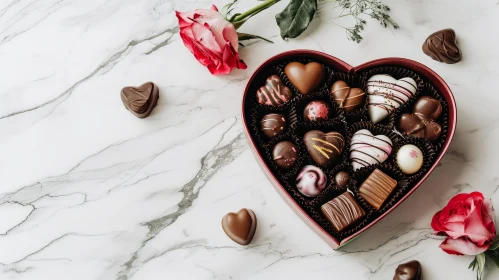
[88, 191]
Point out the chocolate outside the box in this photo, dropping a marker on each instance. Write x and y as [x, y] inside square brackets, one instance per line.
[240, 226]
[376, 188]
[442, 46]
[331, 190]
[342, 211]
[397, 73]
[140, 100]
[409, 271]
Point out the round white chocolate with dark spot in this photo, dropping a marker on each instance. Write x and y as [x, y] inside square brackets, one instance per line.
[409, 159]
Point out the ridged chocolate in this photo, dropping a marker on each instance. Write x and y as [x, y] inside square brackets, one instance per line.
[376, 188]
[274, 92]
[350, 99]
[140, 100]
[442, 46]
[342, 211]
[324, 147]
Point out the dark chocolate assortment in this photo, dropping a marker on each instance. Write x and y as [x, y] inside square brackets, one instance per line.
[346, 147]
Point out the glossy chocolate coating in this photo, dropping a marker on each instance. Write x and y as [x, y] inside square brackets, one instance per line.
[306, 78]
[273, 125]
[311, 181]
[285, 154]
[342, 211]
[350, 99]
[409, 271]
[324, 147]
[376, 188]
[442, 46]
[274, 92]
[140, 100]
[341, 178]
[316, 111]
[240, 226]
[422, 122]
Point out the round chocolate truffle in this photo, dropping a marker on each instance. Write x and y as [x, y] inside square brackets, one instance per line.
[316, 111]
[341, 178]
[273, 125]
[409, 159]
[311, 181]
[285, 154]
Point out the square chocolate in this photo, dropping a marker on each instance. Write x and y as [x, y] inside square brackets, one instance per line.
[342, 211]
[376, 188]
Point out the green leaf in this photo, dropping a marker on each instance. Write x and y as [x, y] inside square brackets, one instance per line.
[494, 245]
[493, 256]
[481, 265]
[296, 17]
[472, 264]
[246, 36]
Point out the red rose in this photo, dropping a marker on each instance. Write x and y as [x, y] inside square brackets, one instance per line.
[468, 221]
[212, 39]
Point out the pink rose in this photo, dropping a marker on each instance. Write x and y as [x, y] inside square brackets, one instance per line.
[211, 39]
[468, 223]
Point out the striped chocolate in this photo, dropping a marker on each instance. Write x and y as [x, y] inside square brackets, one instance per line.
[342, 211]
[274, 92]
[376, 188]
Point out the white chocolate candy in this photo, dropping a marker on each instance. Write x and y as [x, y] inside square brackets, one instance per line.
[385, 94]
[367, 149]
[311, 181]
[409, 159]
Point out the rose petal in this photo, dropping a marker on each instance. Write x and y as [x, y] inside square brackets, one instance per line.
[462, 246]
[475, 228]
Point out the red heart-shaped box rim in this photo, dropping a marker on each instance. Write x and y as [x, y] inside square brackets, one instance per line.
[342, 66]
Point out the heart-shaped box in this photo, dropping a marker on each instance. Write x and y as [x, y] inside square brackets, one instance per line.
[340, 66]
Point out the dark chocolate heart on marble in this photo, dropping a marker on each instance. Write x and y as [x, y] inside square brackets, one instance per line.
[240, 226]
[274, 92]
[350, 99]
[422, 122]
[409, 271]
[140, 100]
[306, 78]
[322, 147]
[442, 46]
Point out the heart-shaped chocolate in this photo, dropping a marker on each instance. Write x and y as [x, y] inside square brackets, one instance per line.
[240, 226]
[385, 94]
[274, 92]
[421, 123]
[306, 78]
[292, 196]
[324, 147]
[350, 99]
[367, 149]
[140, 100]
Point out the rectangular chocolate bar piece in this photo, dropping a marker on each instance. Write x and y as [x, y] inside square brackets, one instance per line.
[376, 188]
[342, 211]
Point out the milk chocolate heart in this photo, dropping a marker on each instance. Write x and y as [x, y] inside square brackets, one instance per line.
[324, 147]
[409, 271]
[274, 92]
[306, 78]
[442, 46]
[140, 100]
[240, 226]
[385, 94]
[421, 123]
[350, 99]
[367, 149]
